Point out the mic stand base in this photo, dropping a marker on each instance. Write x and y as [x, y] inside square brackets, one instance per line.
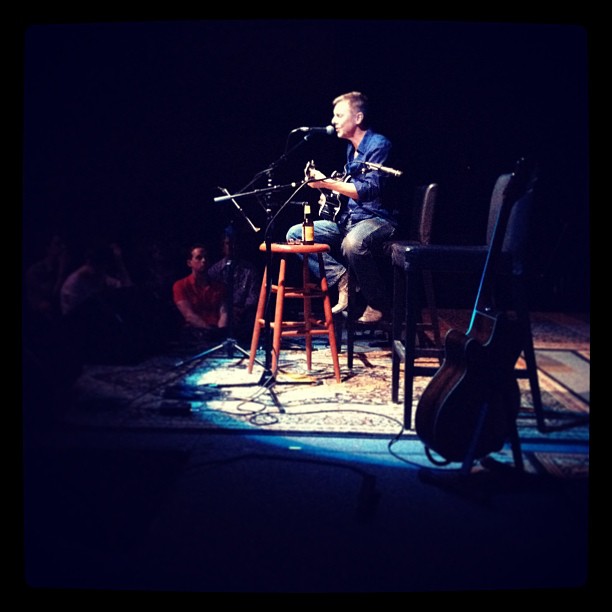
[267, 381]
[229, 345]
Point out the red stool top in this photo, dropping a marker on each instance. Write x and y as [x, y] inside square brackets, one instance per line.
[283, 247]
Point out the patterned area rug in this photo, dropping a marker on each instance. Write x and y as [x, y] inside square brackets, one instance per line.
[220, 393]
[180, 392]
[549, 330]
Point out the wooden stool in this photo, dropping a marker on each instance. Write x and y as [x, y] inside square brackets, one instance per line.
[310, 326]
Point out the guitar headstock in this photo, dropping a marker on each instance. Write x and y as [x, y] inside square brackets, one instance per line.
[309, 170]
[519, 180]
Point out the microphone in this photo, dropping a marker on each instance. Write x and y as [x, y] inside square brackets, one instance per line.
[384, 169]
[329, 130]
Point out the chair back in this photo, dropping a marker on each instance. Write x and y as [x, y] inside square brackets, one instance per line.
[518, 228]
[495, 204]
[423, 213]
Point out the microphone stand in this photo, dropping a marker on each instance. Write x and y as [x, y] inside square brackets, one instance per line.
[268, 378]
[229, 344]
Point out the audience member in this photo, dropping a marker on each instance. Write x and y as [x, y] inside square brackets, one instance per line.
[200, 299]
[44, 279]
[158, 268]
[103, 269]
[96, 304]
[242, 281]
[50, 362]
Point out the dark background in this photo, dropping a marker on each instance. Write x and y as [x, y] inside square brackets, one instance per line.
[129, 127]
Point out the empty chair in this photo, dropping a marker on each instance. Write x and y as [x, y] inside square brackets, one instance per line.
[419, 232]
[410, 261]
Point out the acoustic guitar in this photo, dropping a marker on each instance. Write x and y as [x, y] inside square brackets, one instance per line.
[468, 410]
[330, 202]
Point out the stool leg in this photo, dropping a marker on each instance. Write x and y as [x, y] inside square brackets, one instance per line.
[350, 319]
[329, 318]
[397, 347]
[307, 310]
[259, 315]
[431, 304]
[410, 288]
[278, 314]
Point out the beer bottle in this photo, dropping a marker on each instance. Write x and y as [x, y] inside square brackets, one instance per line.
[307, 226]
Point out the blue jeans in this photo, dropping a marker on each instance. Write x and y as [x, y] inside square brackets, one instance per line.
[352, 246]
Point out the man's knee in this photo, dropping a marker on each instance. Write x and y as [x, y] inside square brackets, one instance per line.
[294, 232]
[352, 246]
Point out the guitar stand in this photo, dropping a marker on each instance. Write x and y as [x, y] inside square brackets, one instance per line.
[514, 439]
[229, 345]
[448, 476]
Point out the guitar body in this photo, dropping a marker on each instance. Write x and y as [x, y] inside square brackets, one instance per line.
[329, 207]
[330, 202]
[470, 405]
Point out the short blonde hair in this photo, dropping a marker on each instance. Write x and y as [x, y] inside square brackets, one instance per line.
[358, 103]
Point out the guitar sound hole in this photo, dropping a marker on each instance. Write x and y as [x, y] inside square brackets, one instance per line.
[328, 212]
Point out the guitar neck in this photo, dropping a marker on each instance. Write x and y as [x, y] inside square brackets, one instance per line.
[515, 187]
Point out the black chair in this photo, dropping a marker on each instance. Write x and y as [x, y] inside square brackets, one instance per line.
[410, 261]
[419, 231]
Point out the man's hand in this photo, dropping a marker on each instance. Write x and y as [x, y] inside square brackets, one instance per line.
[312, 174]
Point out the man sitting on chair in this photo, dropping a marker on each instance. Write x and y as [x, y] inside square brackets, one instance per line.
[363, 222]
